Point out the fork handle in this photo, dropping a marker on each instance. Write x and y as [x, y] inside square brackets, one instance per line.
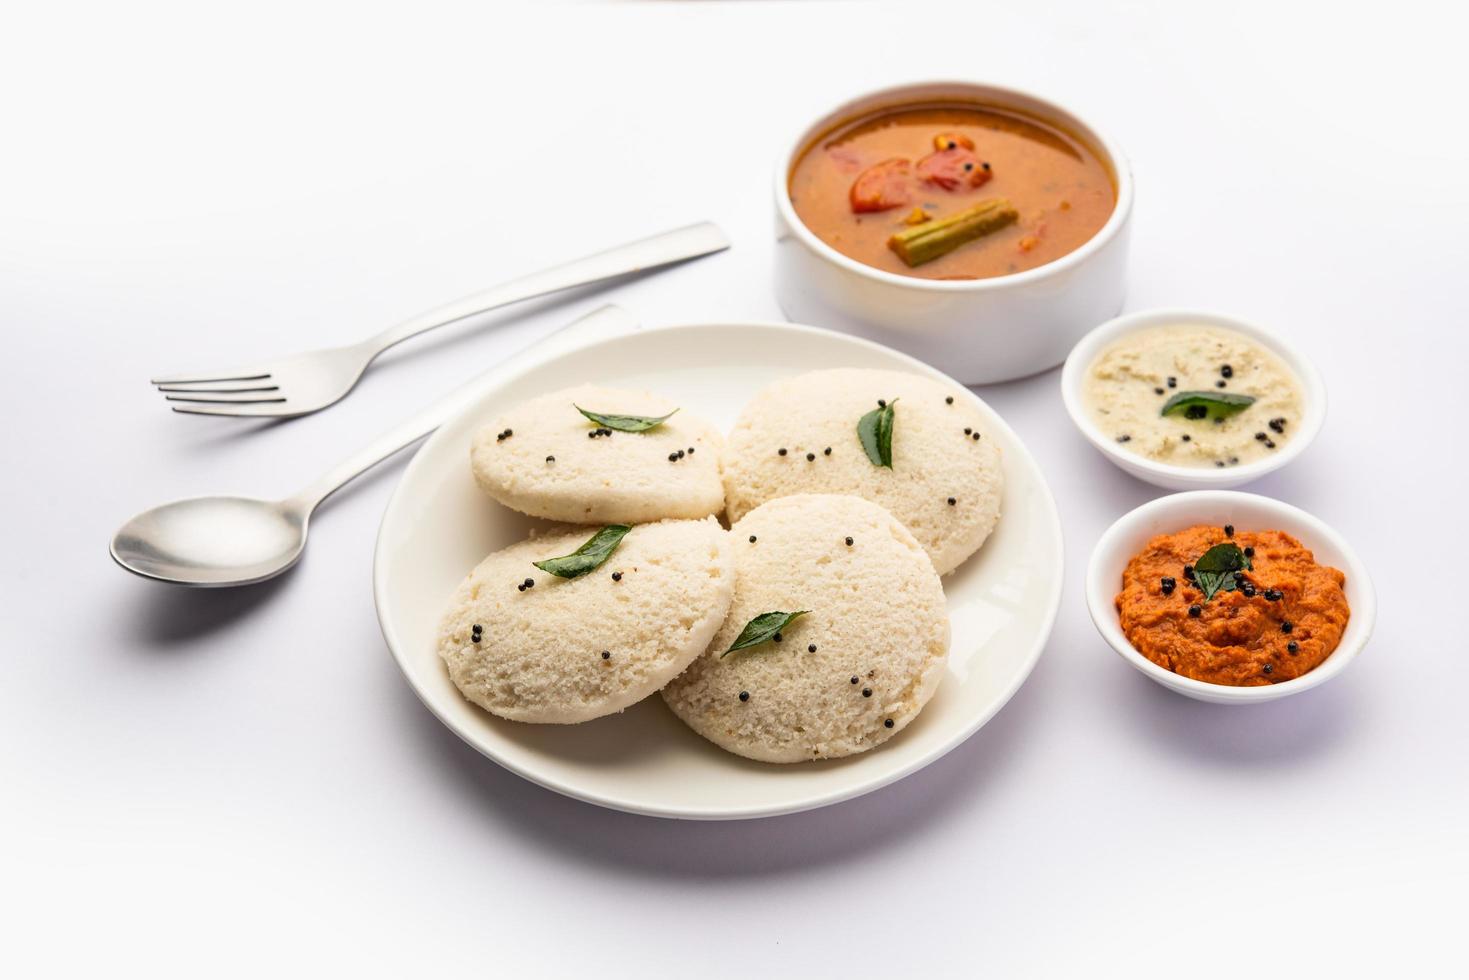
[606, 321]
[649, 253]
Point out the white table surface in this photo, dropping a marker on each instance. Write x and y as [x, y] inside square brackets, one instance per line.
[241, 782]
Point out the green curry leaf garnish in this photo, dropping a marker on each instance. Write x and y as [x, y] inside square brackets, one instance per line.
[597, 549]
[875, 429]
[1217, 570]
[627, 423]
[1206, 404]
[763, 627]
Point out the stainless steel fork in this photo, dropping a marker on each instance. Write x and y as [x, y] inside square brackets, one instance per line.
[303, 383]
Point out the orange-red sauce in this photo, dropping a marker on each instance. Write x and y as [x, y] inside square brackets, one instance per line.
[1060, 187]
[1292, 622]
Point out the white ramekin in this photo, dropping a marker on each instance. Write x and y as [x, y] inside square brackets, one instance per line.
[1246, 511]
[977, 330]
[1169, 475]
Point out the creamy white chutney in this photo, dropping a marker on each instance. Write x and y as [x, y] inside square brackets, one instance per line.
[1128, 384]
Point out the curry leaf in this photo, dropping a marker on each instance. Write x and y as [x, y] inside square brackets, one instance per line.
[763, 627]
[627, 423]
[1206, 404]
[599, 548]
[875, 429]
[1217, 569]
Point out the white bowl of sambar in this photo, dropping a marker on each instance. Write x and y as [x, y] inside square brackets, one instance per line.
[980, 228]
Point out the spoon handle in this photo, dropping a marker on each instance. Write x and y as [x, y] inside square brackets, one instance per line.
[606, 321]
[677, 245]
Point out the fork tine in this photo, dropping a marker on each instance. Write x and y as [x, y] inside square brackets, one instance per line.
[210, 387]
[236, 409]
[200, 377]
[225, 398]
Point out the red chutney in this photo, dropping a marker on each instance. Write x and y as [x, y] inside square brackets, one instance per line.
[1237, 639]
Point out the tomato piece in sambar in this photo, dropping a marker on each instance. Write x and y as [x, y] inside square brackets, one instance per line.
[881, 186]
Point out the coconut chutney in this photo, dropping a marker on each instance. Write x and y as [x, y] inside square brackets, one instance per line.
[1193, 395]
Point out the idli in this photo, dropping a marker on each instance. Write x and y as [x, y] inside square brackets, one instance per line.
[531, 646]
[928, 458]
[863, 653]
[593, 455]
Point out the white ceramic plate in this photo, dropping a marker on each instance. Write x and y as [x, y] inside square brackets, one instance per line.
[438, 525]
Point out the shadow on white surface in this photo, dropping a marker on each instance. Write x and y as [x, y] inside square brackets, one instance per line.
[746, 849]
[164, 620]
[1289, 733]
[222, 432]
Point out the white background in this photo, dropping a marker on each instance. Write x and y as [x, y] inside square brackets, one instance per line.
[201, 784]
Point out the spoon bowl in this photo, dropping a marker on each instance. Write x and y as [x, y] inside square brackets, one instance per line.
[212, 541]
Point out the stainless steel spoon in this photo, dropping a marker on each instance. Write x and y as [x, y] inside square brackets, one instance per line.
[225, 541]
